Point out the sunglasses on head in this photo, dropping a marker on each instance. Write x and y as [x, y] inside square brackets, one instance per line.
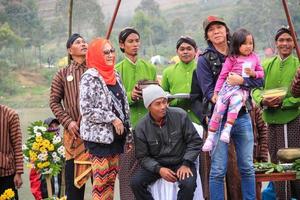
[108, 51]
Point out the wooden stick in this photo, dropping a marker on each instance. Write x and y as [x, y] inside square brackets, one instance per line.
[49, 186]
[292, 29]
[113, 20]
[70, 24]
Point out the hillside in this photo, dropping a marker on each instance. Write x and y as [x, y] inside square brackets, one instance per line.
[47, 7]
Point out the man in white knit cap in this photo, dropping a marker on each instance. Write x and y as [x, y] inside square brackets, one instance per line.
[166, 145]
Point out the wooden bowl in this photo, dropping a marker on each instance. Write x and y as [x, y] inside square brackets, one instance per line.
[288, 155]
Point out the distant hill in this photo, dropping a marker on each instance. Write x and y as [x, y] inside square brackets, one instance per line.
[47, 7]
[127, 6]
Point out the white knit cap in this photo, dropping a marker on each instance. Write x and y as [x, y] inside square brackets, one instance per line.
[151, 93]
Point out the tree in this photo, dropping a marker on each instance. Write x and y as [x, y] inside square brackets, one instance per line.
[148, 21]
[88, 18]
[8, 38]
[149, 7]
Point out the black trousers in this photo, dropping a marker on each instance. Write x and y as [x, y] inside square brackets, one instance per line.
[7, 182]
[72, 192]
[143, 178]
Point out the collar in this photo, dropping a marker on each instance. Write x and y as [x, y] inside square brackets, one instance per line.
[283, 60]
[187, 66]
[161, 123]
[131, 60]
[76, 65]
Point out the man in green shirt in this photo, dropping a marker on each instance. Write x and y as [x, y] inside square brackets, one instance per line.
[132, 69]
[281, 113]
[178, 78]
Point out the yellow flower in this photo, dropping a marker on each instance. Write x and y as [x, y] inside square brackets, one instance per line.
[46, 164]
[51, 147]
[9, 193]
[40, 165]
[3, 196]
[35, 146]
[33, 156]
[43, 149]
[39, 138]
[46, 142]
[29, 165]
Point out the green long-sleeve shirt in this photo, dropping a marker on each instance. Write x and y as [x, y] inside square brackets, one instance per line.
[130, 74]
[280, 73]
[178, 79]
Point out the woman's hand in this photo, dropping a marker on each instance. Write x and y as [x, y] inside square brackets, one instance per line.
[214, 98]
[250, 72]
[118, 124]
[234, 79]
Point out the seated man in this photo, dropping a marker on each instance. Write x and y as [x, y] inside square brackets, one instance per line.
[166, 145]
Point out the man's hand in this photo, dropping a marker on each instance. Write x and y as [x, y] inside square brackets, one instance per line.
[128, 147]
[184, 172]
[18, 181]
[136, 93]
[74, 129]
[119, 127]
[272, 102]
[234, 79]
[168, 174]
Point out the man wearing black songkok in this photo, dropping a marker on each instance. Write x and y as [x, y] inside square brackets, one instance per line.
[64, 103]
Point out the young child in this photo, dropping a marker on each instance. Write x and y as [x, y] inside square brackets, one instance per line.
[230, 98]
[38, 184]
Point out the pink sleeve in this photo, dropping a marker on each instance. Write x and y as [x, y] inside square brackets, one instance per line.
[259, 71]
[227, 66]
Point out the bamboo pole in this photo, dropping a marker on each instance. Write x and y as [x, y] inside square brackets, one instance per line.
[49, 186]
[113, 20]
[291, 25]
[70, 24]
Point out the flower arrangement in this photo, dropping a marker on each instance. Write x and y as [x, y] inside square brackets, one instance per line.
[43, 149]
[8, 194]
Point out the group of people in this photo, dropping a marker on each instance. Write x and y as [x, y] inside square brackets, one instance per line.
[118, 117]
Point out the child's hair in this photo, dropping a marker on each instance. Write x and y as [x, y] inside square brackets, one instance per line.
[238, 38]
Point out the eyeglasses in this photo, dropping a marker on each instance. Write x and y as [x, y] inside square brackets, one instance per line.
[108, 51]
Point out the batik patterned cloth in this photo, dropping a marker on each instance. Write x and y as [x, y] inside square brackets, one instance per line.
[105, 170]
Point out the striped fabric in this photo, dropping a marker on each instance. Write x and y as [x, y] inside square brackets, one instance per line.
[64, 99]
[296, 84]
[11, 156]
[105, 170]
[261, 133]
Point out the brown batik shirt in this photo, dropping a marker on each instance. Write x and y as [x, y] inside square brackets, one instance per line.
[64, 101]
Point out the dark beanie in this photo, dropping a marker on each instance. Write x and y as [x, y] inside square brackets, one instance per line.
[282, 31]
[186, 39]
[71, 39]
[125, 33]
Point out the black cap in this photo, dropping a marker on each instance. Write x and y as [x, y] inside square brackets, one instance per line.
[281, 31]
[72, 38]
[188, 40]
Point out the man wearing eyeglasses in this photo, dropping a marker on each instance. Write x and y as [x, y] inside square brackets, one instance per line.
[178, 78]
[282, 113]
[132, 69]
[64, 103]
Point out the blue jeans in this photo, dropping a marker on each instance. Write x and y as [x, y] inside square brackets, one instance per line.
[242, 136]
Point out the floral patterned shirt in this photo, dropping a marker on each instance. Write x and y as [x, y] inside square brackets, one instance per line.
[96, 107]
